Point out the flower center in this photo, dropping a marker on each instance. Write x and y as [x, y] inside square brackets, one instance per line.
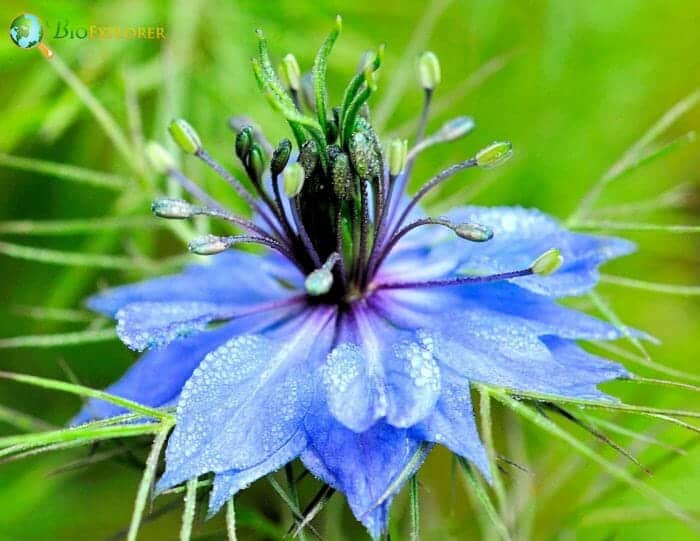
[340, 208]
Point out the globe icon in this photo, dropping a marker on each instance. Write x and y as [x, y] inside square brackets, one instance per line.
[26, 31]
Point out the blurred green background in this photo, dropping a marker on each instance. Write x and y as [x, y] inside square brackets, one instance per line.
[571, 84]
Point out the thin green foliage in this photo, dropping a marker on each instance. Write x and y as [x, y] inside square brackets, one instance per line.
[484, 499]
[635, 154]
[58, 340]
[601, 404]
[231, 520]
[623, 475]
[82, 435]
[87, 392]
[103, 117]
[632, 434]
[314, 507]
[64, 171]
[293, 506]
[146, 485]
[73, 259]
[45, 313]
[190, 507]
[73, 227]
[606, 225]
[404, 475]
[22, 421]
[414, 498]
[654, 287]
[487, 438]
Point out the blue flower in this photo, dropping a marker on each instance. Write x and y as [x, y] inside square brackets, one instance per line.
[352, 341]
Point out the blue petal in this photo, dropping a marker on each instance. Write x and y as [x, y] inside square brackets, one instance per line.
[157, 378]
[426, 308]
[413, 381]
[385, 372]
[520, 236]
[143, 325]
[246, 400]
[227, 484]
[365, 467]
[452, 423]
[232, 277]
[355, 393]
[483, 346]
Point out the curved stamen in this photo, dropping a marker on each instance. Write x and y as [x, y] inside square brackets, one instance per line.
[193, 189]
[457, 281]
[212, 244]
[546, 264]
[303, 234]
[238, 187]
[467, 231]
[430, 185]
[178, 209]
[320, 281]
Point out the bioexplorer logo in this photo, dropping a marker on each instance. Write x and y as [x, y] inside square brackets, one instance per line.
[65, 30]
[27, 32]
